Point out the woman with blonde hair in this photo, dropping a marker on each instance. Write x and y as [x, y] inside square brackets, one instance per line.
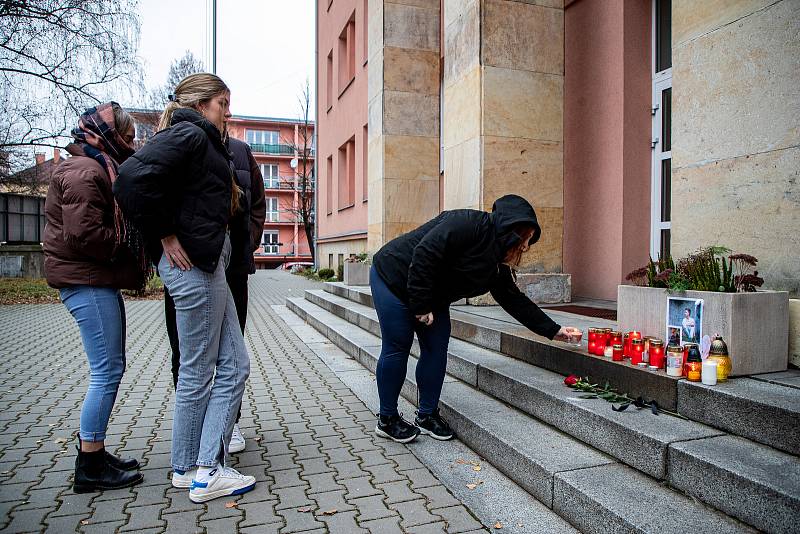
[91, 252]
[180, 190]
[414, 279]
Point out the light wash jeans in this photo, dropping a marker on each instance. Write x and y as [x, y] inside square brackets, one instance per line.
[100, 314]
[214, 364]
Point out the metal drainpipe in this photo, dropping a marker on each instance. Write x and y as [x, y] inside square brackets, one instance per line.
[316, 123]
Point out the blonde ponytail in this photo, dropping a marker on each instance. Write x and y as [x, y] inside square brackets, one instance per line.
[166, 116]
[190, 93]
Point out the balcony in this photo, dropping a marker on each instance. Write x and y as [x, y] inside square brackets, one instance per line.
[281, 217]
[279, 149]
[268, 250]
[284, 183]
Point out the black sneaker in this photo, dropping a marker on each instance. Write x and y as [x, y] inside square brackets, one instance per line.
[434, 426]
[396, 428]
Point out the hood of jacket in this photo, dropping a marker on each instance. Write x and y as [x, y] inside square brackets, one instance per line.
[508, 211]
[196, 118]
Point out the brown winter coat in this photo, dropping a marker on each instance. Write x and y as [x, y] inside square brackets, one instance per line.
[79, 236]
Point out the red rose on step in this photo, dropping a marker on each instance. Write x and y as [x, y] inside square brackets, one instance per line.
[571, 380]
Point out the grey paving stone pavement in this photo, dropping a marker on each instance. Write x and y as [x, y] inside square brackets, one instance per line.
[310, 444]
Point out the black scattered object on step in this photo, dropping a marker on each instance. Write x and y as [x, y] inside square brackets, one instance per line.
[588, 311]
[639, 403]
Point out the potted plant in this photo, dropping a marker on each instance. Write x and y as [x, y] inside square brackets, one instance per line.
[710, 292]
[356, 270]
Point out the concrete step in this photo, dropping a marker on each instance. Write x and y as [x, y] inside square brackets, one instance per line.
[755, 483]
[761, 411]
[763, 408]
[518, 342]
[546, 462]
[637, 438]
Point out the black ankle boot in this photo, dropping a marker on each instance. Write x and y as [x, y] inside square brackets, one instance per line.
[126, 464]
[93, 472]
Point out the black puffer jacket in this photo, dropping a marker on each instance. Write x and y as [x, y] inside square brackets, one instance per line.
[180, 183]
[458, 255]
[247, 226]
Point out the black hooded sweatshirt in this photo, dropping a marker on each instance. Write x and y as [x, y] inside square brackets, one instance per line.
[180, 183]
[458, 255]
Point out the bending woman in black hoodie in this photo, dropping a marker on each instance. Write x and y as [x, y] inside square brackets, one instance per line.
[414, 279]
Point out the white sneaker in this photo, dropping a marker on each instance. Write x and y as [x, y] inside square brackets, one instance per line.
[237, 443]
[224, 481]
[184, 480]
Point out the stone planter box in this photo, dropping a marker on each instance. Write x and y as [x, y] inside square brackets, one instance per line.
[356, 273]
[755, 326]
[541, 288]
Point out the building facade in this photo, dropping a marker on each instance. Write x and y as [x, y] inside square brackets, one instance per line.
[343, 193]
[635, 127]
[284, 150]
[279, 146]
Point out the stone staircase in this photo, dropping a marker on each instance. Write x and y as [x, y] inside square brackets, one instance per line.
[731, 467]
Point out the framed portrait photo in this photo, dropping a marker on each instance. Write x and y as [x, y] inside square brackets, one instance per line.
[684, 320]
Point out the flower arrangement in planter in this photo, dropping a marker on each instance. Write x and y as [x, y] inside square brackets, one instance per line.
[356, 270]
[753, 322]
[704, 270]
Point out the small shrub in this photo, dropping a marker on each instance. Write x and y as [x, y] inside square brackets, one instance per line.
[325, 274]
[358, 258]
[706, 269]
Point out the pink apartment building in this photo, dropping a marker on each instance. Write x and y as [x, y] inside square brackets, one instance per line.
[277, 145]
[342, 116]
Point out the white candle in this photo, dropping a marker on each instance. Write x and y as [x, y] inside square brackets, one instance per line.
[709, 376]
[608, 352]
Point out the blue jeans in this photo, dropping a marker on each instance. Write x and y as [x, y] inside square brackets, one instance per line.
[100, 314]
[398, 325]
[214, 364]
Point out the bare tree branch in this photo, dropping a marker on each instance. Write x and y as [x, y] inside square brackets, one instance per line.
[303, 211]
[58, 57]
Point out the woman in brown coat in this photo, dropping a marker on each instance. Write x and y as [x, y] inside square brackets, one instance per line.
[91, 252]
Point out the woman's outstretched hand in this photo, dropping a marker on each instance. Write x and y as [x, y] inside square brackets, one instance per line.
[569, 334]
[176, 256]
[426, 319]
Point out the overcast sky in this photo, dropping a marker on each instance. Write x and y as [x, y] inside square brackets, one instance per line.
[265, 48]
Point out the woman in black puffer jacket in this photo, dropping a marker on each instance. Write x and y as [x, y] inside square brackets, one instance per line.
[180, 190]
[415, 278]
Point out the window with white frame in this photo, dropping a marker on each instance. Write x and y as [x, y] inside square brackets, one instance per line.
[270, 242]
[272, 209]
[262, 137]
[269, 172]
[661, 189]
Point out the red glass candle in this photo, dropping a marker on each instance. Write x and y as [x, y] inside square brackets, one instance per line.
[657, 353]
[616, 338]
[637, 351]
[633, 334]
[617, 354]
[592, 343]
[607, 332]
[602, 341]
